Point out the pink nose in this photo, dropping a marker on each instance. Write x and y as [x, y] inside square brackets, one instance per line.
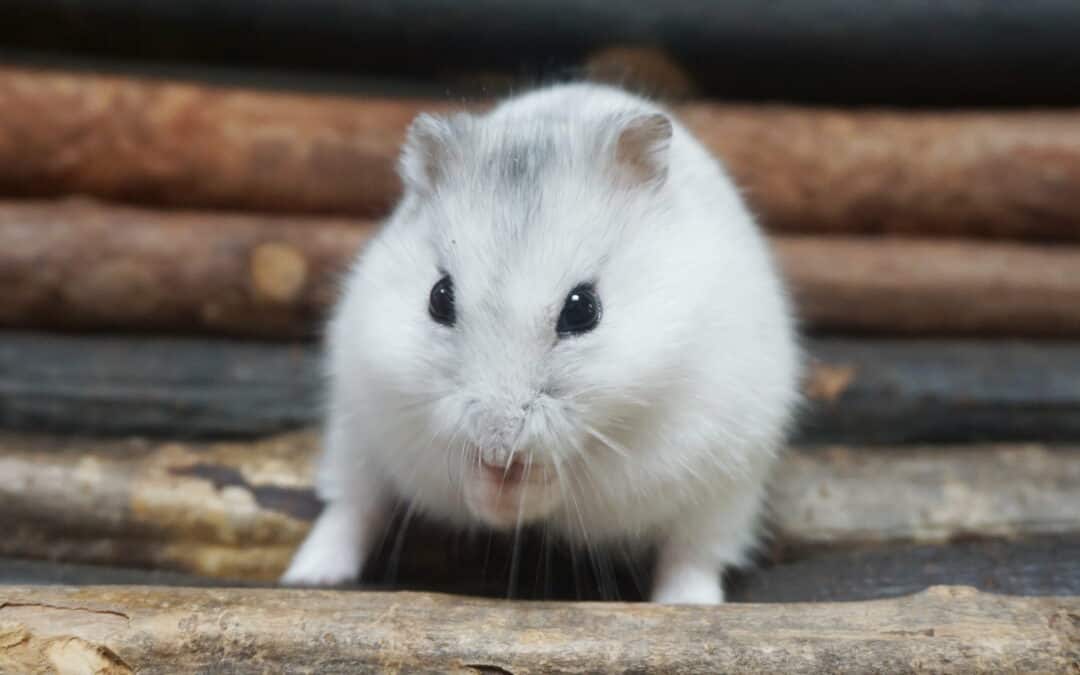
[512, 473]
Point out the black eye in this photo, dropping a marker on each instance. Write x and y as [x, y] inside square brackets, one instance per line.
[441, 302]
[580, 313]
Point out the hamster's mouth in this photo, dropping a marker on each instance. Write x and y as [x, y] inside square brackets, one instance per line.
[506, 495]
[517, 472]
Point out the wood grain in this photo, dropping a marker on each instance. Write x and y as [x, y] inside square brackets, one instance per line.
[157, 630]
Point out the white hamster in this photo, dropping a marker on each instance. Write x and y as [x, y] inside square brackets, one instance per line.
[572, 319]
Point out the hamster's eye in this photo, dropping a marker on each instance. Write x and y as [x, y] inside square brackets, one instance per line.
[441, 302]
[580, 312]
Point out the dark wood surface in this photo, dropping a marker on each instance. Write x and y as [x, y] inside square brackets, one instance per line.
[969, 51]
[861, 391]
[1043, 566]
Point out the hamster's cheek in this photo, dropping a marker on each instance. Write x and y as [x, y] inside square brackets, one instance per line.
[504, 505]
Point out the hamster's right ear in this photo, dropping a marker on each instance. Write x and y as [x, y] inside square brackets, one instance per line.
[429, 142]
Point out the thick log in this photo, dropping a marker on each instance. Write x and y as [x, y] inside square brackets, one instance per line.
[920, 287]
[78, 265]
[75, 264]
[1004, 173]
[823, 50]
[876, 391]
[238, 509]
[158, 630]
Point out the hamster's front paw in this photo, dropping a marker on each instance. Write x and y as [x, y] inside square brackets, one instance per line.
[683, 580]
[330, 555]
[696, 591]
[321, 566]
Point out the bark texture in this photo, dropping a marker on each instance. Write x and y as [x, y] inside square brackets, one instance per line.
[806, 170]
[239, 509]
[158, 630]
[75, 264]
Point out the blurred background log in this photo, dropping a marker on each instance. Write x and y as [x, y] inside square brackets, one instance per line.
[237, 510]
[156, 630]
[806, 170]
[860, 391]
[948, 52]
[79, 265]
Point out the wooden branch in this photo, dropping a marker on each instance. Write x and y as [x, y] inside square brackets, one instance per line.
[79, 265]
[157, 630]
[238, 510]
[861, 391]
[1007, 173]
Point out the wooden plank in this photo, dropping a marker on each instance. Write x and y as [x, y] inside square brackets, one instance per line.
[805, 170]
[826, 50]
[1041, 566]
[155, 630]
[79, 265]
[237, 510]
[860, 391]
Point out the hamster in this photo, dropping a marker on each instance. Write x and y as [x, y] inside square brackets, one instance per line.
[571, 318]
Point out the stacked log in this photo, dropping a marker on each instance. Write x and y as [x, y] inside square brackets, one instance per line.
[79, 265]
[805, 170]
[157, 630]
[238, 509]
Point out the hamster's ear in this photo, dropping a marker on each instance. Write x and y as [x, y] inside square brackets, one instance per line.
[428, 144]
[641, 149]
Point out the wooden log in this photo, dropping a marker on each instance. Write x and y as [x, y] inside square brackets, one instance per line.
[823, 50]
[860, 391]
[238, 509]
[79, 265]
[920, 287]
[806, 170]
[158, 630]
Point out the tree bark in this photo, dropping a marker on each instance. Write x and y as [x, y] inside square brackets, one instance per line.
[158, 630]
[806, 170]
[80, 265]
[239, 509]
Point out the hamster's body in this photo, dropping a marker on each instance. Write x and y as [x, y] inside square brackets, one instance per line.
[651, 416]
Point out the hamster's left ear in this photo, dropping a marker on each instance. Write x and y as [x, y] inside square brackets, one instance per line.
[642, 149]
[430, 142]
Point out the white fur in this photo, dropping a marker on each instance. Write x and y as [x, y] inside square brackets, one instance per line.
[659, 427]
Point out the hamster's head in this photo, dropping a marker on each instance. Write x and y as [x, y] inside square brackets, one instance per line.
[518, 310]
